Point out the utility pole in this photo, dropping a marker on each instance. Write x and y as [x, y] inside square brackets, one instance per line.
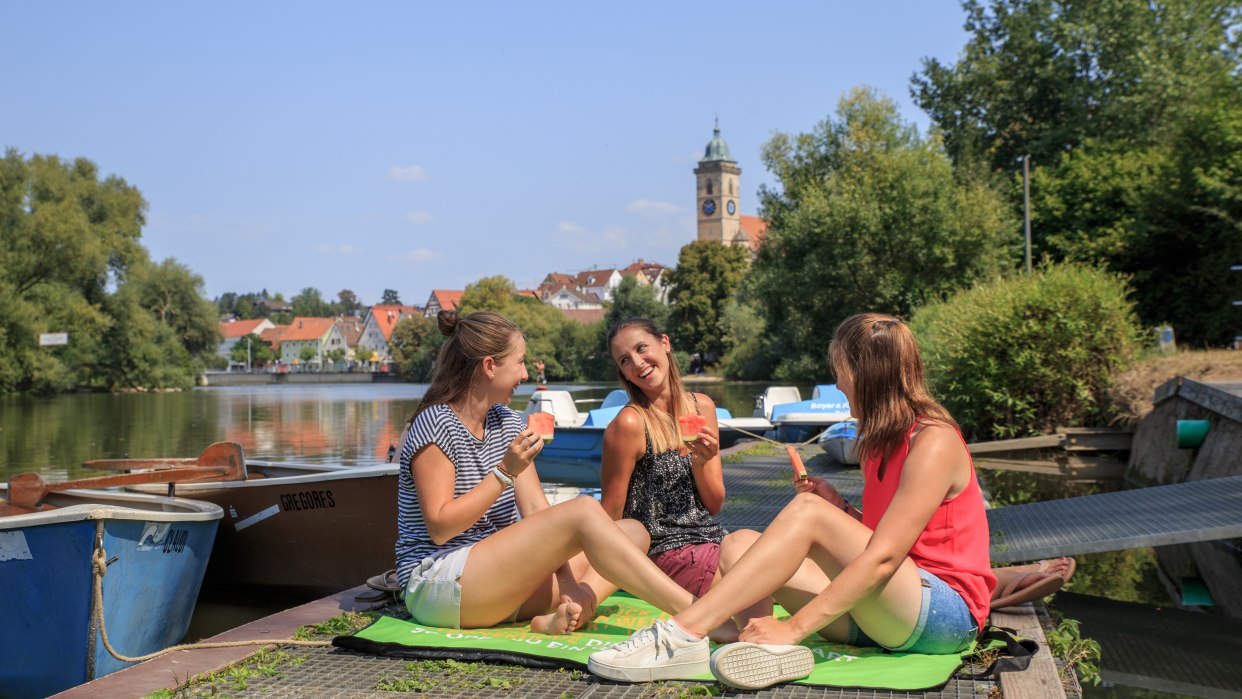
[1026, 207]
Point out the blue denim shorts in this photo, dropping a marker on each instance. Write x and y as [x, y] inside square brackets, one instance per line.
[945, 625]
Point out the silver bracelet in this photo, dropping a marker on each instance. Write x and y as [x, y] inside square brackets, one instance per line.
[505, 479]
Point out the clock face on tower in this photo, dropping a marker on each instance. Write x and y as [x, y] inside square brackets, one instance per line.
[731, 207]
[709, 207]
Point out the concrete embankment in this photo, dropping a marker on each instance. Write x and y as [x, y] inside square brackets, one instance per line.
[241, 378]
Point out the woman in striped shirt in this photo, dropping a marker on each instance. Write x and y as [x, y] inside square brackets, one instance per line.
[464, 557]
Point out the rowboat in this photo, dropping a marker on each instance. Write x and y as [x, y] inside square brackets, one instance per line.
[313, 529]
[580, 435]
[154, 551]
[838, 442]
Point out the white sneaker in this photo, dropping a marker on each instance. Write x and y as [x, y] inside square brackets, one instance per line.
[657, 652]
[753, 666]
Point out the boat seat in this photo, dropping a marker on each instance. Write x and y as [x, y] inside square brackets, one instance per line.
[559, 403]
[616, 398]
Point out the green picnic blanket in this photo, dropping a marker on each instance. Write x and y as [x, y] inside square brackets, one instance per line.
[620, 615]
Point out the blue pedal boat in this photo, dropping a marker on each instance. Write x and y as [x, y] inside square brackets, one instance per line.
[580, 435]
[800, 420]
[155, 550]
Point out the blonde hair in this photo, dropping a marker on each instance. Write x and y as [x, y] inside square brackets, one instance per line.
[470, 340]
[661, 426]
[890, 393]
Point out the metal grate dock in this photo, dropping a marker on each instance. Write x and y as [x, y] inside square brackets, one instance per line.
[1156, 516]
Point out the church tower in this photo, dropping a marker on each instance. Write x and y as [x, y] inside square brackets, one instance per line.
[718, 189]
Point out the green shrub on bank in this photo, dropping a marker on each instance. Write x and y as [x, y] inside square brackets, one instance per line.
[1027, 354]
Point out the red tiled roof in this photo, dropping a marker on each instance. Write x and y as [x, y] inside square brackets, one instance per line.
[447, 298]
[272, 335]
[351, 329]
[755, 229]
[585, 315]
[386, 317]
[307, 329]
[240, 328]
[528, 293]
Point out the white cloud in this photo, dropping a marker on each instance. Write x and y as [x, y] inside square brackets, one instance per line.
[642, 206]
[346, 249]
[419, 218]
[413, 173]
[417, 256]
[569, 227]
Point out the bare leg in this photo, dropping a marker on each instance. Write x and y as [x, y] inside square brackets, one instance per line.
[512, 564]
[810, 527]
[590, 589]
[809, 581]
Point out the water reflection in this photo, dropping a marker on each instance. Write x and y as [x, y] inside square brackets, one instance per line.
[346, 423]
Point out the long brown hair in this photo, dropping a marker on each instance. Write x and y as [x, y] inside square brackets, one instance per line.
[470, 339]
[665, 434]
[890, 394]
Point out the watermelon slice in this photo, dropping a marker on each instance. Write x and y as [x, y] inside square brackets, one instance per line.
[798, 467]
[543, 424]
[690, 426]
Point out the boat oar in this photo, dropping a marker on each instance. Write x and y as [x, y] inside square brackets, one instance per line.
[227, 454]
[28, 489]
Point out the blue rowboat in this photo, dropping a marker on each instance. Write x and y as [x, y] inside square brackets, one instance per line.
[155, 549]
[838, 442]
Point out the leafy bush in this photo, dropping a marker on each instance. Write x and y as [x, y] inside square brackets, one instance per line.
[1024, 355]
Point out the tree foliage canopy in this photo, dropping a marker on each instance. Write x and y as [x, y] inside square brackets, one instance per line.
[1132, 113]
[708, 274]
[71, 261]
[867, 216]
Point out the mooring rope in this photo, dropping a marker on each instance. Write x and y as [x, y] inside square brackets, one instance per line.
[769, 440]
[99, 561]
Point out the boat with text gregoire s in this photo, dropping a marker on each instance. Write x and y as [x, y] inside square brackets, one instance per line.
[797, 420]
[314, 528]
[580, 435]
[149, 553]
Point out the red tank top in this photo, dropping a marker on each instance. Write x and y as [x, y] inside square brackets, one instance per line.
[953, 545]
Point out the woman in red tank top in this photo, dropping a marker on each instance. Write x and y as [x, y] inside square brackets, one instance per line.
[911, 574]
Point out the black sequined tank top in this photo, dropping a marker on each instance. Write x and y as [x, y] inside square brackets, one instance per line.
[663, 497]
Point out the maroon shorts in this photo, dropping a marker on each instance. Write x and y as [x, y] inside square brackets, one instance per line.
[692, 566]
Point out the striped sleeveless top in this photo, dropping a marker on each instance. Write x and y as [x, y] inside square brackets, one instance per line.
[473, 458]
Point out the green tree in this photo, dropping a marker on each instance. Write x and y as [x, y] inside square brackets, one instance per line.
[1132, 112]
[630, 300]
[867, 216]
[708, 274]
[742, 331]
[414, 344]
[310, 304]
[174, 294]
[390, 298]
[1040, 77]
[250, 350]
[307, 353]
[348, 303]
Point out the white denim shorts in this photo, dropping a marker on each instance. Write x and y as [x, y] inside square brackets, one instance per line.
[433, 594]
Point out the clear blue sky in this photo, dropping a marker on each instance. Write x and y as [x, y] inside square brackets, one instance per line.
[421, 145]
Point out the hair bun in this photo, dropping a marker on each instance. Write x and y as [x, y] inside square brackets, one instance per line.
[447, 321]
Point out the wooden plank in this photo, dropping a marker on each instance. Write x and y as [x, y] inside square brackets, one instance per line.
[1096, 438]
[1041, 466]
[1044, 441]
[1040, 680]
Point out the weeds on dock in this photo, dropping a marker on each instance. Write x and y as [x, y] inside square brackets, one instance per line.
[265, 663]
[346, 623]
[449, 674]
[1081, 655]
[679, 691]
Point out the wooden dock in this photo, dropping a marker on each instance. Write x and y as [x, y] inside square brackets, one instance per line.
[757, 487]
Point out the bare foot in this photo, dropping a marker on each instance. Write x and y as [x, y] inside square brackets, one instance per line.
[582, 595]
[561, 622]
[1056, 566]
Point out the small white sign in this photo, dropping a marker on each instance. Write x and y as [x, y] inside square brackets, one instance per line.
[51, 339]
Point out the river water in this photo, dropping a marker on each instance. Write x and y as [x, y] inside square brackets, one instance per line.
[353, 424]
